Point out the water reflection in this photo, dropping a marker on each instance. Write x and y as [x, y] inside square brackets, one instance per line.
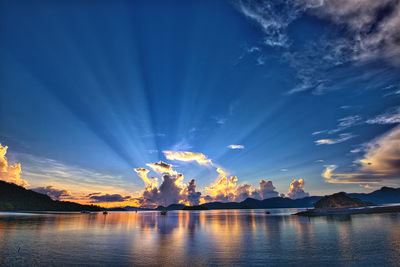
[232, 237]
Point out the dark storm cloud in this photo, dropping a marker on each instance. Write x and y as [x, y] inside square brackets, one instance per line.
[53, 192]
[95, 198]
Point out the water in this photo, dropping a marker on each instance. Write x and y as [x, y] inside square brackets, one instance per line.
[198, 238]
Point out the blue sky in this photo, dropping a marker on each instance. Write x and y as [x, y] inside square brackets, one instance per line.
[90, 91]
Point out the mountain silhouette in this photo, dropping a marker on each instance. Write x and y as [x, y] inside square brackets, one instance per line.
[17, 198]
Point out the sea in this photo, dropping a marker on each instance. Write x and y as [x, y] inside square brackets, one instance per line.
[199, 238]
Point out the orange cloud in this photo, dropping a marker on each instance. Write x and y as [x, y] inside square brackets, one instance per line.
[142, 172]
[10, 173]
[296, 189]
[346, 178]
[162, 167]
[187, 156]
[226, 189]
[380, 162]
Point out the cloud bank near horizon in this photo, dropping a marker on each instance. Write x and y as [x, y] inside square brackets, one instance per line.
[380, 162]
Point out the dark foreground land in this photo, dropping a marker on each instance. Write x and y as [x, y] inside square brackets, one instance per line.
[348, 211]
[17, 198]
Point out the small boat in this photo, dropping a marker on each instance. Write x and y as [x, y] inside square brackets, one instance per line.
[163, 212]
[85, 211]
[267, 212]
[105, 212]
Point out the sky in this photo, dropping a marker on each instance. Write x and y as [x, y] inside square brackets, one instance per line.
[146, 103]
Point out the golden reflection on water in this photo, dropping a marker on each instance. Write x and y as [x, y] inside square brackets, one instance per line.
[221, 237]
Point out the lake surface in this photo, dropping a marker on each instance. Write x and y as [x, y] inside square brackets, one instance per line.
[198, 238]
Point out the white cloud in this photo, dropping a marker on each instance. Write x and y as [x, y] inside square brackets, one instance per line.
[392, 116]
[366, 33]
[160, 167]
[236, 146]
[331, 141]
[318, 132]
[187, 156]
[345, 123]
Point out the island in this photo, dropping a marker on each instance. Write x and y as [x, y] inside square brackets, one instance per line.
[342, 204]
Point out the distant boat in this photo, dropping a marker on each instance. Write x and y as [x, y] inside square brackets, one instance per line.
[85, 211]
[267, 212]
[163, 212]
[105, 212]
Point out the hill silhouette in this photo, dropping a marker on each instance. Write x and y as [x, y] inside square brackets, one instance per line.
[384, 195]
[341, 200]
[17, 198]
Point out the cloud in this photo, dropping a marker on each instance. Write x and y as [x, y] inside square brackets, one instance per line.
[331, 141]
[142, 172]
[345, 123]
[172, 190]
[53, 192]
[148, 135]
[96, 198]
[181, 145]
[392, 90]
[381, 161]
[296, 189]
[236, 146]
[266, 190]
[193, 197]
[161, 167]
[187, 156]
[361, 31]
[75, 178]
[383, 155]
[318, 132]
[274, 17]
[392, 116]
[226, 189]
[345, 107]
[344, 178]
[220, 120]
[367, 186]
[10, 173]
[373, 26]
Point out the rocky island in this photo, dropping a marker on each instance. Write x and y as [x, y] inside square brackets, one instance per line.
[342, 204]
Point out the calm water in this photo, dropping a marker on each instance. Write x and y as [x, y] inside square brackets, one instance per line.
[183, 238]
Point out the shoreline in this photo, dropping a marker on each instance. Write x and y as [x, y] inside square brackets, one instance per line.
[349, 211]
